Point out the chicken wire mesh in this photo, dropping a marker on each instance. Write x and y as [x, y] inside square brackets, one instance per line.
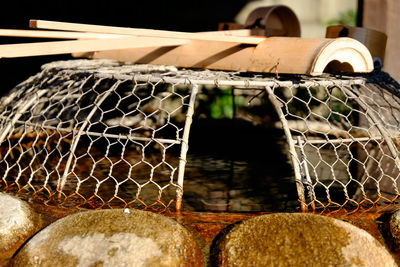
[344, 135]
[101, 133]
[86, 136]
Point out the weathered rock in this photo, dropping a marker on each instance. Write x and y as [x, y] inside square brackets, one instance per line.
[18, 222]
[114, 237]
[299, 240]
[394, 228]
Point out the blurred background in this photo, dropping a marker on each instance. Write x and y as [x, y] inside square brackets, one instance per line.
[204, 15]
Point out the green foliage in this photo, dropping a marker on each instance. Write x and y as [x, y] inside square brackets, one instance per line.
[222, 104]
[340, 110]
[218, 103]
[348, 18]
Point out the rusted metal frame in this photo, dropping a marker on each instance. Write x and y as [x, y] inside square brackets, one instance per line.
[292, 150]
[185, 146]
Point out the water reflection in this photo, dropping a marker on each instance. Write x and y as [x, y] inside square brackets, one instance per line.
[234, 166]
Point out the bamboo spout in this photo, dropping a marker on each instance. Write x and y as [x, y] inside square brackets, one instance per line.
[274, 55]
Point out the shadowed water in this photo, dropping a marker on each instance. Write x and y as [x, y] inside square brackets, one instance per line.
[235, 166]
[232, 166]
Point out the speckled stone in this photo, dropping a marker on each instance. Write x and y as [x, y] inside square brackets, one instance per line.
[114, 237]
[18, 222]
[294, 239]
[394, 227]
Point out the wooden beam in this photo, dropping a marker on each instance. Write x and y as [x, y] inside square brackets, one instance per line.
[238, 32]
[66, 26]
[56, 34]
[80, 46]
[100, 42]
[92, 35]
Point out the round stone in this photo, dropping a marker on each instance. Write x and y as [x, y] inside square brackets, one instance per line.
[18, 222]
[115, 237]
[394, 228]
[295, 239]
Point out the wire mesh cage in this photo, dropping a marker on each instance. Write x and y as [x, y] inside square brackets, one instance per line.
[102, 133]
[344, 137]
[86, 137]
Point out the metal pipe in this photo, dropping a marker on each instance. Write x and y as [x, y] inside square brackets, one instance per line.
[292, 150]
[185, 146]
[306, 172]
[340, 140]
[261, 83]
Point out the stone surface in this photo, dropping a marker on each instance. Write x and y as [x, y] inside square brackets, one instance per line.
[394, 228]
[114, 237]
[18, 222]
[299, 240]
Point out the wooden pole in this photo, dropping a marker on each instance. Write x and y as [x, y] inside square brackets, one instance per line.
[93, 35]
[57, 34]
[79, 46]
[66, 26]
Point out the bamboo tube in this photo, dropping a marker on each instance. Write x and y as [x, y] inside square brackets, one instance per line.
[211, 50]
[274, 55]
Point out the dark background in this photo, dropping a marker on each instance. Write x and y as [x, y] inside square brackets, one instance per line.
[203, 15]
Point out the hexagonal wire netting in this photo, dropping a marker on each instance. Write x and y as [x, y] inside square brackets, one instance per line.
[101, 133]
